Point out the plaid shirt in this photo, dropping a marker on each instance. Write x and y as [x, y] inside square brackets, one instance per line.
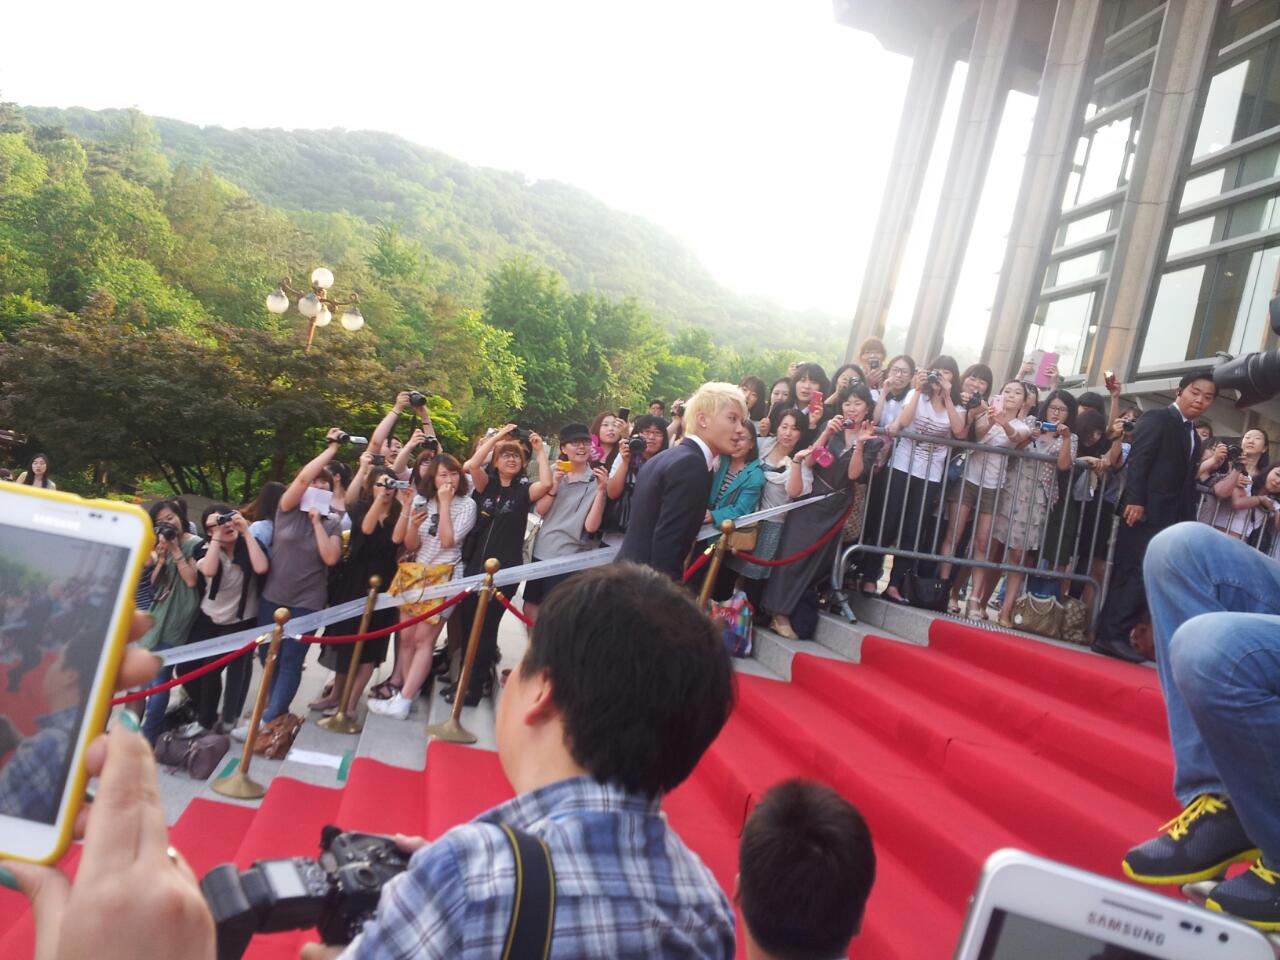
[31, 782]
[626, 885]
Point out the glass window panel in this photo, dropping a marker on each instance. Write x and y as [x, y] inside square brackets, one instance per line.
[1268, 113]
[1121, 13]
[1249, 18]
[1227, 106]
[1189, 236]
[1065, 326]
[1083, 228]
[1108, 156]
[1252, 216]
[1203, 187]
[1125, 50]
[1252, 321]
[1224, 302]
[1179, 301]
[1078, 268]
[1108, 95]
[1262, 164]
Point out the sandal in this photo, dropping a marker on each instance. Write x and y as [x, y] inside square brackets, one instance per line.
[976, 611]
[953, 606]
[324, 703]
[782, 627]
[384, 691]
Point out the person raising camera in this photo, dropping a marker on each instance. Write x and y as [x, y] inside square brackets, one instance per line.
[176, 602]
[648, 439]
[503, 496]
[306, 542]
[432, 527]
[232, 564]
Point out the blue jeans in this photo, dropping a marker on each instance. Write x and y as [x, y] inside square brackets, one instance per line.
[288, 673]
[1215, 611]
[157, 703]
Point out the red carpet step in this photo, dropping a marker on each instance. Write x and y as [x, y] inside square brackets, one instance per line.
[979, 741]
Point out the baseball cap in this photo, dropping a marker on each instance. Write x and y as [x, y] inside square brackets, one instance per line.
[574, 431]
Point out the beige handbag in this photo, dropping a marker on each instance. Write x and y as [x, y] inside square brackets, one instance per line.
[1042, 615]
[744, 540]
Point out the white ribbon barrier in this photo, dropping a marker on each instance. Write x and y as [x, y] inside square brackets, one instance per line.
[538, 570]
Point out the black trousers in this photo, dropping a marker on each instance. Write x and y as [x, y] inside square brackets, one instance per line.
[911, 501]
[1126, 604]
[206, 691]
[487, 650]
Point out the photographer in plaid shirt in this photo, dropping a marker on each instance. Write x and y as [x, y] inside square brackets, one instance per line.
[624, 686]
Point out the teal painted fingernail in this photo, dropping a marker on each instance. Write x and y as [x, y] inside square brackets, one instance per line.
[7, 879]
[130, 721]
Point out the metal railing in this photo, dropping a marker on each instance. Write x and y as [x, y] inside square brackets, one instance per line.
[1029, 501]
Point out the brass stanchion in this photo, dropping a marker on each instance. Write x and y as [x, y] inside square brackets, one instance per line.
[340, 722]
[238, 785]
[713, 568]
[452, 729]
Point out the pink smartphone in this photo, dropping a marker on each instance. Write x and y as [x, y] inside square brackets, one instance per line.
[1043, 377]
[998, 401]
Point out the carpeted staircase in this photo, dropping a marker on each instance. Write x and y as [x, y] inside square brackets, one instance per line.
[978, 741]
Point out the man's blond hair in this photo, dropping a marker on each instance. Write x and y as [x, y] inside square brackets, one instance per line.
[710, 399]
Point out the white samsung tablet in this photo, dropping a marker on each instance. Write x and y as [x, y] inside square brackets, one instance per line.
[1028, 908]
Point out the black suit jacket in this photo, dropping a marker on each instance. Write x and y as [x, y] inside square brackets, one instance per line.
[667, 507]
[1160, 474]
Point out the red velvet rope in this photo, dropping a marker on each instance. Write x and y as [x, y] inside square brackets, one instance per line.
[812, 548]
[186, 677]
[518, 613]
[386, 631]
[697, 565]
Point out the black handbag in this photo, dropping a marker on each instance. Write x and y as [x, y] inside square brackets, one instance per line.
[928, 592]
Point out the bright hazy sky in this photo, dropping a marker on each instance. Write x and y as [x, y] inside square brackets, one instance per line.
[758, 131]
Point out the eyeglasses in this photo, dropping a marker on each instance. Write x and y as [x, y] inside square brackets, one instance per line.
[905, 371]
[509, 455]
[653, 432]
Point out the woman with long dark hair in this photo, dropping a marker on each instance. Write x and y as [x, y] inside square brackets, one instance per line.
[916, 478]
[606, 437]
[752, 388]
[38, 474]
[834, 471]
[623, 474]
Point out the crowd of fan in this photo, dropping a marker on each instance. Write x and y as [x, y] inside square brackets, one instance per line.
[874, 443]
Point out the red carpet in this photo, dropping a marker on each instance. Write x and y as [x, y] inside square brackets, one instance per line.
[976, 742]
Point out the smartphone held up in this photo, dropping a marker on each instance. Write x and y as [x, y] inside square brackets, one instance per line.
[68, 569]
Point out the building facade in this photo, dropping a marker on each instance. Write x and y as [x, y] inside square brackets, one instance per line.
[1145, 235]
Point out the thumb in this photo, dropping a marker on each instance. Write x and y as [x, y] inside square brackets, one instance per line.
[48, 889]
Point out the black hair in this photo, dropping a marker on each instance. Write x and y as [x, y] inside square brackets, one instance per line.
[209, 511]
[982, 372]
[781, 411]
[790, 389]
[647, 420]
[30, 478]
[339, 471]
[835, 377]
[1259, 476]
[806, 865]
[268, 501]
[1089, 420]
[176, 504]
[944, 362]
[859, 390]
[811, 371]
[754, 383]
[1068, 401]
[658, 402]
[639, 675]
[1195, 375]
[1092, 400]
[753, 453]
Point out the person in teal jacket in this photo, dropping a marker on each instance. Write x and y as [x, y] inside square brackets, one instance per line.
[735, 492]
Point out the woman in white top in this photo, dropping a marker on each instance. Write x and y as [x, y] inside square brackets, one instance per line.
[895, 385]
[999, 425]
[432, 526]
[784, 481]
[916, 478]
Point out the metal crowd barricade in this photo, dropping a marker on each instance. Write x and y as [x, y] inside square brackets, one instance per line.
[1018, 472]
[1253, 525]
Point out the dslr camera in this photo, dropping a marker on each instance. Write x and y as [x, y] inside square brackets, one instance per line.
[1255, 376]
[417, 398]
[335, 893]
[974, 401]
[166, 531]
[934, 378]
[224, 518]
[430, 443]
[636, 445]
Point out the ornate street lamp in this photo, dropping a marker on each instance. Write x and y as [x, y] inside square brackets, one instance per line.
[317, 306]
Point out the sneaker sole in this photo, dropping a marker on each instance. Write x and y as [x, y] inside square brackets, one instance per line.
[1269, 925]
[1177, 879]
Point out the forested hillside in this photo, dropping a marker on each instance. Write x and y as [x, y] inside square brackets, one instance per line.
[469, 219]
[135, 346]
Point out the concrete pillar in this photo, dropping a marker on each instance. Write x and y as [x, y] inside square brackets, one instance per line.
[917, 129]
[1049, 155]
[981, 108]
[1186, 45]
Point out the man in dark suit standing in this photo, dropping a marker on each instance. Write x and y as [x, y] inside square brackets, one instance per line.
[673, 489]
[1159, 491]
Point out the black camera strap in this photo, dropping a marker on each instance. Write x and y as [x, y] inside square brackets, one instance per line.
[533, 914]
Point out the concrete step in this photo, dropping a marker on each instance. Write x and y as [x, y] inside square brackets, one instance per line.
[835, 639]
